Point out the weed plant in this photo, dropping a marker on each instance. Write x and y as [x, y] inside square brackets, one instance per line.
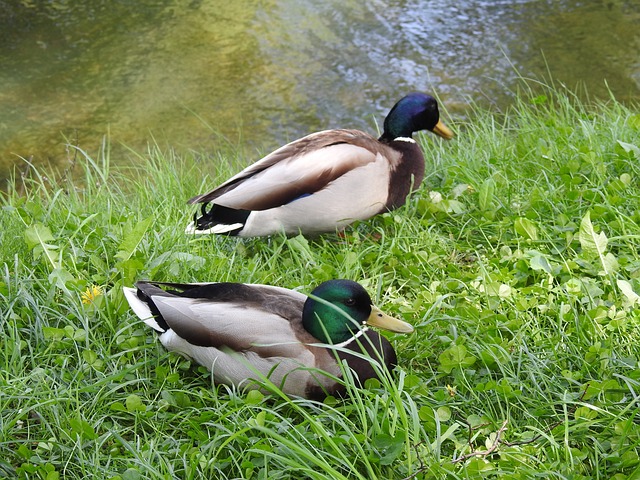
[517, 262]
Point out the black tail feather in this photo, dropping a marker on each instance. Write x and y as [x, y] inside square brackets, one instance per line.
[220, 215]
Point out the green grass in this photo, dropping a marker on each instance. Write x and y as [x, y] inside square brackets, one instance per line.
[518, 262]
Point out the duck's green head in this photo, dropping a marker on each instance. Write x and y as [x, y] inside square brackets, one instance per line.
[415, 112]
[337, 309]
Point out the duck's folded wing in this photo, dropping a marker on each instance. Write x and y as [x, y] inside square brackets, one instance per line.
[298, 169]
[237, 327]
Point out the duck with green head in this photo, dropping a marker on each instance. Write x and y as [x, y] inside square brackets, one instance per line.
[324, 181]
[247, 331]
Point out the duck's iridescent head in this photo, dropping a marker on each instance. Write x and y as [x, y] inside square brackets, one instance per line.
[414, 112]
[337, 309]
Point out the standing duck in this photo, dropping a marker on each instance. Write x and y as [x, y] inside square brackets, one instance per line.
[326, 180]
[246, 331]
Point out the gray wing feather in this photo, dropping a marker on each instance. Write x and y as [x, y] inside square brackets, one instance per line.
[301, 167]
[238, 327]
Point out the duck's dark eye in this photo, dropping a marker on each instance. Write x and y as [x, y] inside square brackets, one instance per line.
[350, 302]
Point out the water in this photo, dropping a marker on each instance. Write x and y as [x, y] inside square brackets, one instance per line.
[255, 73]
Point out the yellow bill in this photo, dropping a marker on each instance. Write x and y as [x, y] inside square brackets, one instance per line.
[442, 131]
[379, 319]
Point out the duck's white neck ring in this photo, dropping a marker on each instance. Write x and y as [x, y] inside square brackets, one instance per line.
[357, 335]
[404, 139]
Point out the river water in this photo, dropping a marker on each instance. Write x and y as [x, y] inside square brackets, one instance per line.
[252, 74]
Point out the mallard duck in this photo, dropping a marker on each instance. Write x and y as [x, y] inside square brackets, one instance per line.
[246, 331]
[326, 180]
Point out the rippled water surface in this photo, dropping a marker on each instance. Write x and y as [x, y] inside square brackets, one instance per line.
[200, 74]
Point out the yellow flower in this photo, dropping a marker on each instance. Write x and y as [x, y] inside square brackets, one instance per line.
[91, 293]
[451, 390]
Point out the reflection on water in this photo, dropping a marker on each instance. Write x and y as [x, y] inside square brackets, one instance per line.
[260, 72]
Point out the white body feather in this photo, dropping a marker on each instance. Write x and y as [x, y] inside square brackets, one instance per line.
[240, 368]
[342, 202]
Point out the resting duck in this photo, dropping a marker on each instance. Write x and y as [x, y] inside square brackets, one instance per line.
[326, 180]
[243, 331]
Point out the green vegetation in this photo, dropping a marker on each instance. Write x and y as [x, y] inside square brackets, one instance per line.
[518, 262]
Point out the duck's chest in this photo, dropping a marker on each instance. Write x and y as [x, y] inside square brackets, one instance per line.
[406, 172]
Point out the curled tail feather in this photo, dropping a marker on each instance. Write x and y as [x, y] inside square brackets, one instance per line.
[141, 309]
